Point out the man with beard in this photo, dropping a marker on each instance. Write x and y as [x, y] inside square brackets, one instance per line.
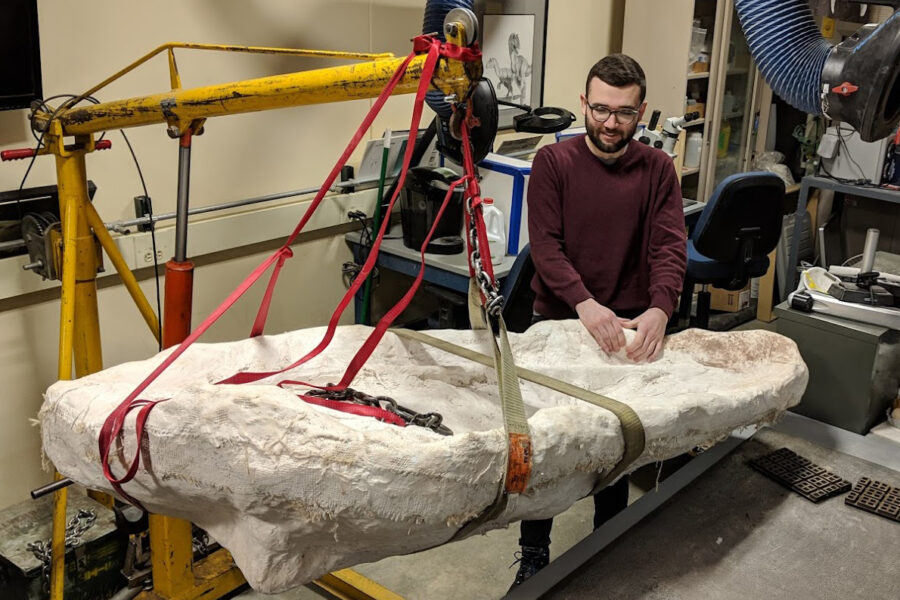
[607, 235]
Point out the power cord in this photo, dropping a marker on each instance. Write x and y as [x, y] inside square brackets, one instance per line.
[42, 103]
[152, 226]
[861, 182]
[846, 149]
[350, 269]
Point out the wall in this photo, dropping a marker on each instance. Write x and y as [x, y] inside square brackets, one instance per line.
[238, 156]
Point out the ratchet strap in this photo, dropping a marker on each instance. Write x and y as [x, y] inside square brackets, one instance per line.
[632, 429]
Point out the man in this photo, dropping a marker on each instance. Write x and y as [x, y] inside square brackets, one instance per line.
[607, 237]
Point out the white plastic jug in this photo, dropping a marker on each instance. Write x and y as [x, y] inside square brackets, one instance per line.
[496, 230]
[692, 149]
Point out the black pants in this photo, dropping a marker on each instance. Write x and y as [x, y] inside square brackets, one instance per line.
[608, 502]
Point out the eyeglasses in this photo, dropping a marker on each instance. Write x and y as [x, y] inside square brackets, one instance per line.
[624, 116]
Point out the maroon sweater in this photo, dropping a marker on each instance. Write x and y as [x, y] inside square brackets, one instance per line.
[614, 233]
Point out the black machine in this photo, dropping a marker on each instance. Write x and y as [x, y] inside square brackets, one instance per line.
[421, 199]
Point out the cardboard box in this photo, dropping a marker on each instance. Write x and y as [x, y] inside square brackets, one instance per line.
[729, 301]
[698, 107]
[699, 66]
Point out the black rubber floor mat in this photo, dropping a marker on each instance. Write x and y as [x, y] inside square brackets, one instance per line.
[796, 473]
[875, 497]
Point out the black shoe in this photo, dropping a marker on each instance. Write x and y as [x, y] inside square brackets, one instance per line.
[531, 559]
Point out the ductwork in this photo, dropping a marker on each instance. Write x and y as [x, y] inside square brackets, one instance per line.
[856, 81]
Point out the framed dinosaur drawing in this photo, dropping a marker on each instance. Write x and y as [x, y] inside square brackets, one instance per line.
[512, 38]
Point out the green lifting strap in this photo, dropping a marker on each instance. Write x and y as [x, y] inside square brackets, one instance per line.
[632, 429]
[519, 453]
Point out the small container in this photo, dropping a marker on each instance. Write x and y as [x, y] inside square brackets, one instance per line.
[496, 231]
[692, 149]
[724, 139]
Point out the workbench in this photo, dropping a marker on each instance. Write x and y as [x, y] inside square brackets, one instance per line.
[807, 184]
[451, 271]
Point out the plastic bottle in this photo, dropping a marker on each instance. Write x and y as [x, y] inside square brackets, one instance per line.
[692, 149]
[724, 139]
[496, 230]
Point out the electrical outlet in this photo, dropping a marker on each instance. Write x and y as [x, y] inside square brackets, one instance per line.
[143, 248]
[148, 257]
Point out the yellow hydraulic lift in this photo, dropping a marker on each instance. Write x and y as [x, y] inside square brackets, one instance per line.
[184, 111]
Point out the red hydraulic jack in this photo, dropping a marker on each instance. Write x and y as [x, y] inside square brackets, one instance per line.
[175, 574]
[180, 269]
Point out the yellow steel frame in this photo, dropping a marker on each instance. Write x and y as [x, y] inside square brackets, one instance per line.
[175, 575]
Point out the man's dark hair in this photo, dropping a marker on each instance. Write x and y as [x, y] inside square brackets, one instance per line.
[617, 70]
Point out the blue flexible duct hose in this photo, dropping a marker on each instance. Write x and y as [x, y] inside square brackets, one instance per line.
[788, 48]
[435, 11]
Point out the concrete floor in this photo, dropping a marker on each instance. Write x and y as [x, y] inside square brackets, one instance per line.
[741, 536]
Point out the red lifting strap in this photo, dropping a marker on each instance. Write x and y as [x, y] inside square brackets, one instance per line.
[114, 423]
[474, 193]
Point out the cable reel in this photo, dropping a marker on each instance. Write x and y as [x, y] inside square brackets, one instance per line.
[42, 232]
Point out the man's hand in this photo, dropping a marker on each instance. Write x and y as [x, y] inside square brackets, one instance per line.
[650, 326]
[602, 323]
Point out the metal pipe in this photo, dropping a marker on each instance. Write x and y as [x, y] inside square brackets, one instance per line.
[868, 259]
[120, 226]
[348, 82]
[12, 245]
[184, 186]
[51, 487]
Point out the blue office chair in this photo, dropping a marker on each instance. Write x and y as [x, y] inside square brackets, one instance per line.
[518, 297]
[738, 228]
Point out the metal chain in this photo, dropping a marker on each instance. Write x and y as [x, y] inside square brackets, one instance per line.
[429, 420]
[42, 551]
[200, 542]
[488, 288]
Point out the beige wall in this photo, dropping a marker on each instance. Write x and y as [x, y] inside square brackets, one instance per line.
[237, 157]
[578, 35]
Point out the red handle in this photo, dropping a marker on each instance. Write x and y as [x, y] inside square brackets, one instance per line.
[20, 153]
[17, 154]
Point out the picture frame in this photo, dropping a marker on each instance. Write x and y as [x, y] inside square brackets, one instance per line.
[512, 35]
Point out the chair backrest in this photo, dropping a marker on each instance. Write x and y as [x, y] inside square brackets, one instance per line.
[746, 205]
[518, 305]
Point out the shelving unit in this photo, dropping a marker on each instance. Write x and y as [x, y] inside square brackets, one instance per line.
[727, 91]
